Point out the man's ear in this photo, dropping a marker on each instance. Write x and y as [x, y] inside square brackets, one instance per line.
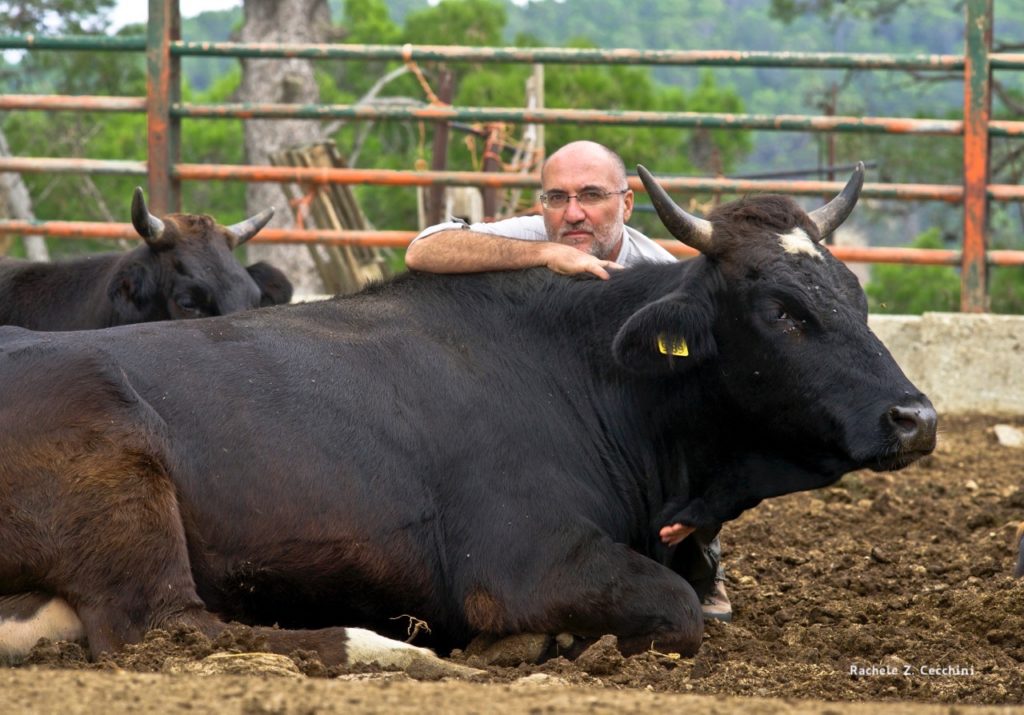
[275, 288]
[132, 293]
[670, 335]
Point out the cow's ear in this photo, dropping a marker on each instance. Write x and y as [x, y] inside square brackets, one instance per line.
[670, 335]
[275, 288]
[132, 292]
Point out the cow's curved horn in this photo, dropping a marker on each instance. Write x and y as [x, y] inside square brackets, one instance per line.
[244, 230]
[830, 216]
[694, 232]
[146, 224]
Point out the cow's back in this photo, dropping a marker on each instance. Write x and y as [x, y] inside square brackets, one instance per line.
[63, 295]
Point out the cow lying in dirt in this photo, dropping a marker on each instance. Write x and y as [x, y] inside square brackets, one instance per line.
[493, 453]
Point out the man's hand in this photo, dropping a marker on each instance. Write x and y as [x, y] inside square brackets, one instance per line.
[674, 533]
[569, 261]
[680, 519]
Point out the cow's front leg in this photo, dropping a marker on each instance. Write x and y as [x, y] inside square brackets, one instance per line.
[584, 584]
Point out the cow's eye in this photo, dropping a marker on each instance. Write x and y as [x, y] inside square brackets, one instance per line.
[190, 304]
[782, 318]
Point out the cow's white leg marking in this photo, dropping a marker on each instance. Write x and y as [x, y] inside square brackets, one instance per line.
[55, 620]
[363, 646]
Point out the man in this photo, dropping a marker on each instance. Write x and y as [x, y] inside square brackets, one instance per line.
[583, 229]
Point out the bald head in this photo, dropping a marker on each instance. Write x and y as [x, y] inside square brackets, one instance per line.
[584, 154]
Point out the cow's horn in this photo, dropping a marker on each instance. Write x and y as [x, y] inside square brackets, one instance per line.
[694, 232]
[244, 230]
[146, 224]
[830, 216]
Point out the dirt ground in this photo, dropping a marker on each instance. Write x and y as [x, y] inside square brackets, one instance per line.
[886, 587]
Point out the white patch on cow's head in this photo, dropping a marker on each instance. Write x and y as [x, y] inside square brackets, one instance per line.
[797, 241]
[55, 620]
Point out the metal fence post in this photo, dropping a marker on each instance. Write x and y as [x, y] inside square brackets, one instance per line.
[163, 89]
[977, 113]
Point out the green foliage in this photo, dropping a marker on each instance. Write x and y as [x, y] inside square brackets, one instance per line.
[912, 290]
[478, 23]
[368, 22]
[210, 26]
[1006, 288]
[72, 17]
[878, 10]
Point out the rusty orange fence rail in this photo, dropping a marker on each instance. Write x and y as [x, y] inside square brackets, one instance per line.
[165, 110]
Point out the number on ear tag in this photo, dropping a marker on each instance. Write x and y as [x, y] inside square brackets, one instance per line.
[679, 348]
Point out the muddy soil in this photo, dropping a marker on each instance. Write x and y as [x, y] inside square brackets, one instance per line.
[885, 587]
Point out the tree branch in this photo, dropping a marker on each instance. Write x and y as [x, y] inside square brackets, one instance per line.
[1011, 102]
[369, 96]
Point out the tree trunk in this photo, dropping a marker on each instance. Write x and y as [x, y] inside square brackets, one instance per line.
[281, 81]
[16, 203]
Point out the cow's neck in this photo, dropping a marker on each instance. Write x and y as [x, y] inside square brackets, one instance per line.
[647, 420]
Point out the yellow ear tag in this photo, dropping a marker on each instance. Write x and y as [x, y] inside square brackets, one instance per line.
[678, 349]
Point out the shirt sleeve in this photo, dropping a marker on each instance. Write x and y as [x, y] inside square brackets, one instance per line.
[524, 228]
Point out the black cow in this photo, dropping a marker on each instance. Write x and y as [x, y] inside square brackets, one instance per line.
[491, 453]
[184, 269]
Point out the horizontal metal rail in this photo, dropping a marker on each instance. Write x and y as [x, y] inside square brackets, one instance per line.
[527, 55]
[773, 122]
[562, 55]
[45, 165]
[393, 177]
[129, 43]
[401, 239]
[66, 103]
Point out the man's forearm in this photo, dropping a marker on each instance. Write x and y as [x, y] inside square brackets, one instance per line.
[465, 251]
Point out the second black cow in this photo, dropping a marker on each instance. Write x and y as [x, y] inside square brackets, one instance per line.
[490, 453]
[184, 269]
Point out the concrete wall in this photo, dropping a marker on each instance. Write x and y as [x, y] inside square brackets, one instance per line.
[963, 362]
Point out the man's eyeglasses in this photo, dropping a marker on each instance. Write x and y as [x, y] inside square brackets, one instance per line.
[587, 197]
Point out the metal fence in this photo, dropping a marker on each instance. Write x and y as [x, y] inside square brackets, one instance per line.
[165, 110]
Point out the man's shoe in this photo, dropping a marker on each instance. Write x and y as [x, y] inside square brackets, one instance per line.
[716, 604]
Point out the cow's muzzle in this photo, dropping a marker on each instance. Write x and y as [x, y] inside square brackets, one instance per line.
[913, 426]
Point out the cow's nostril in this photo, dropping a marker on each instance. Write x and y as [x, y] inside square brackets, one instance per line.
[915, 426]
[902, 422]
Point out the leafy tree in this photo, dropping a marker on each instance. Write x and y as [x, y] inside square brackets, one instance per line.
[78, 17]
[789, 10]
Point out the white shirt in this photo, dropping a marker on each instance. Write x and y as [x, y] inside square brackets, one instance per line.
[636, 247]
